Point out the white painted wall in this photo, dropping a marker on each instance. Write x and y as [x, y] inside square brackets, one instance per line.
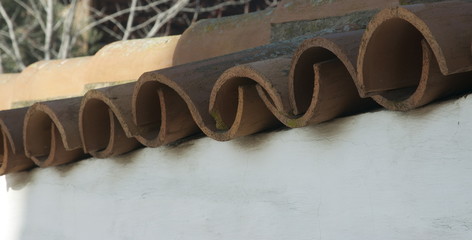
[382, 175]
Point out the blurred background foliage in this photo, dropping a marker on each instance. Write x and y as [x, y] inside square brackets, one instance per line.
[34, 30]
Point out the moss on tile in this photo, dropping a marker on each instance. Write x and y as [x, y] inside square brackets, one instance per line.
[27, 103]
[320, 2]
[349, 22]
[408, 2]
[230, 22]
[293, 123]
[220, 124]
[91, 86]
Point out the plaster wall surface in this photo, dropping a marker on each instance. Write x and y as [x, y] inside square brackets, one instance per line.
[380, 175]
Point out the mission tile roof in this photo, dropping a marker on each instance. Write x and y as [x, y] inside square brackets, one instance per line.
[238, 84]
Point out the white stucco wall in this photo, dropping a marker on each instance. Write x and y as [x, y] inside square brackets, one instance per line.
[381, 175]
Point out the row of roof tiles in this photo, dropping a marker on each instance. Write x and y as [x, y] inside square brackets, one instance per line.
[407, 57]
[125, 61]
[117, 62]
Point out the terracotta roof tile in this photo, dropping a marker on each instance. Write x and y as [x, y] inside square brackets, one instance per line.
[51, 134]
[193, 82]
[217, 37]
[7, 83]
[407, 57]
[298, 10]
[115, 63]
[418, 39]
[12, 155]
[49, 79]
[105, 121]
[322, 73]
[127, 60]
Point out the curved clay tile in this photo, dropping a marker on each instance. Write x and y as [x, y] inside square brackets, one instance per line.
[216, 37]
[313, 70]
[235, 102]
[7, 89]
[125, 61]
[390, 55]
[12, 155]
[50, 79]
[299, 10]
[188, 87]
[432, 85]
[106, 123]
[51, 135]
[316, 87]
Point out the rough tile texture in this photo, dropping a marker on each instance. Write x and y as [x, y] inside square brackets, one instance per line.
[304, 80]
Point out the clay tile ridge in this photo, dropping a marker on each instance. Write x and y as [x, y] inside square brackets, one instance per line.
[428, 54]
[297, 82]
[299, 10]
[105, 121]
[51, 134]
[12, 155]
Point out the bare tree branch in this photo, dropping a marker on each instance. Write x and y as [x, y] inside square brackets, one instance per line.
[4, 33]
[111, 32]
[216, 7]
[1, 63]
[26, 33]
[154, 7]
[197, 11]
[271, 4]
[7, 51]
[166, 16]
[129, 24]
[113, 20]
[44, 5]
[14, 42]
[145, 23]
[117, 14]
[67, 29]
[49, 28]
[32, 12]
[38, 12]
[35, 49]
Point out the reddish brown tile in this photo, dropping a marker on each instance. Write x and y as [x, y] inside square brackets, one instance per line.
[51, 134]
[106, 123]
[12, 157]
[216, 37]
[395, 64]
[299, 10]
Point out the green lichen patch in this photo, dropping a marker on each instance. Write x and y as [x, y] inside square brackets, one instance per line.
[97, 85]
[321, 2]
[409, 2]
[318, 27]
[220, 124]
